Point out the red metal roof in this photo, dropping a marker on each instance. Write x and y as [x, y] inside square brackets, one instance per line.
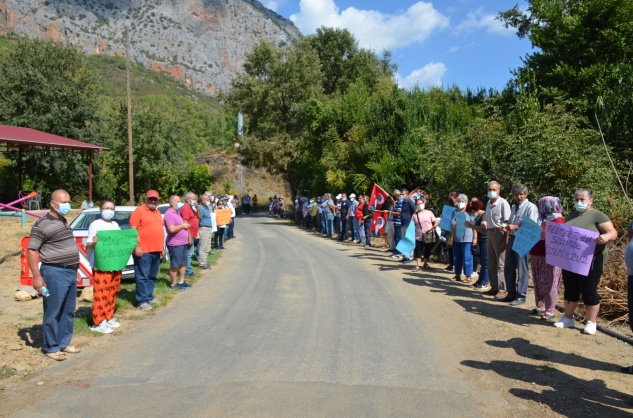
[17, 137]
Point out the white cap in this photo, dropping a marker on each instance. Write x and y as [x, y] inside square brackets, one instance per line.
[338, 196]
[352, 195]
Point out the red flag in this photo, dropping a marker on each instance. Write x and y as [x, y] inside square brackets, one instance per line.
[378, 222]
[378, 197]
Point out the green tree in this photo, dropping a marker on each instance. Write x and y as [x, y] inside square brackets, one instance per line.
[47, 86]
[583, 55]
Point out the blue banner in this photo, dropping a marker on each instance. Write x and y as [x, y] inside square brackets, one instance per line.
[447, 214]
[407, 243]
[528, 234]
[460, 228]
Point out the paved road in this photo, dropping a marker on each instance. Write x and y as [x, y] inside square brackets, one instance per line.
[290, 324]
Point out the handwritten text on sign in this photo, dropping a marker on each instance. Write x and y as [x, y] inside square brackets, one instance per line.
[114, 248]
[447, 213]
[569, 247]
[528, 234]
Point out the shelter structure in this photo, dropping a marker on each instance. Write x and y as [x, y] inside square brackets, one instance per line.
[14, 138]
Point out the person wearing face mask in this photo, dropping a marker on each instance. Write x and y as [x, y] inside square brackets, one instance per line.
[177, 243]
[52, 242]
[425, 223]
[546, 278]
[204, 231]
[462, 240]
[147, 221]
[106, 283]
[522, 208]
[189, 213]
[352, 220]
[344, 208]
[395, 225]
[451, 201]
[586, 217]
[480, 251]
[494, 223]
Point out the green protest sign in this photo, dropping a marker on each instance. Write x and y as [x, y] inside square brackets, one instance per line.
[114, 248]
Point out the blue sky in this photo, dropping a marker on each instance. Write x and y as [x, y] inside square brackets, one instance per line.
[434, 44]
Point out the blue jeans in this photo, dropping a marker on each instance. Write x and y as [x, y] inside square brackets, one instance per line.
[397, 236]
[145, 272]
[329, 224]
[322, 222]
[512, 263]
[59, 307]
[230, 228]
[360, 227]
[367, 229]
[355, 236]
[190, 250]
[483, 260]
[463, 258]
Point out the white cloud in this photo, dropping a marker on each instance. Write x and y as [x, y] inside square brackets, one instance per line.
[428, 76]
[477, 20]
[372, 29]
[272, 4]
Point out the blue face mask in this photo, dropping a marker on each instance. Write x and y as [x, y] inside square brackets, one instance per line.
[179, 205]
[581, 206]
[64, 208]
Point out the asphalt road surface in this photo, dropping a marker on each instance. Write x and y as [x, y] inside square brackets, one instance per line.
[290, 324]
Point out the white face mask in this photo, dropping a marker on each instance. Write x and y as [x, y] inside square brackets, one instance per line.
[107, 214]
[492, 194]
[461, 205]
[420, 207]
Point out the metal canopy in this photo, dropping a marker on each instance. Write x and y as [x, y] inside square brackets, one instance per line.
[15, 138]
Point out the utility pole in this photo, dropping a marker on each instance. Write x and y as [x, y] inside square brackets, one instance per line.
[240, 133]
[129, 117]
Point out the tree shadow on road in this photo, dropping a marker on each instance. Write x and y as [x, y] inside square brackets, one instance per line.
[525, 348]
[562, 392]
[475, 302]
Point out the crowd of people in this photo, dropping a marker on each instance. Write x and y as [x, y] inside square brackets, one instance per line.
[482, 246]
[186, 228]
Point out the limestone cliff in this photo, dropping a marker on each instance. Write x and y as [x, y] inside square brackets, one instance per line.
[199, 42]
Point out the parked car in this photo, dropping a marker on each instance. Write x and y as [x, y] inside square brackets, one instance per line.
[81, 223]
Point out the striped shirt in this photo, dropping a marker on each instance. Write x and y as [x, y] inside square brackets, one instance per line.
[54, 240]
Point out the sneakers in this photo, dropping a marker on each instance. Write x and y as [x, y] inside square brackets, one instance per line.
[480, 286]
[450, 268]
[177, 286]
[204, 267]
[475, 274]
[145, 306]
[397, 256]
[590, 328]
[113, 323]
[566, 323]
[407, 261]
[183, 284]
[103, 328]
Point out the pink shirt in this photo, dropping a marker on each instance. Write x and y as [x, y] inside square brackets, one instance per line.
[172, 218]
[423, 223]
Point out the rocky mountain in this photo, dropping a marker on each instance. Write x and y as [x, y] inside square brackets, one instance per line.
[199, 42]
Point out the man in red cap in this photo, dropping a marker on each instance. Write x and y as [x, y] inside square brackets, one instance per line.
[149, 248]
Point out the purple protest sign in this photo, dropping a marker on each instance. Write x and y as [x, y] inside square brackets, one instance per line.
[569, 247]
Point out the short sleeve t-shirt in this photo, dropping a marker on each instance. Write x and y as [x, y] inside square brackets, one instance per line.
[98, 225]
[172, 218]
[590, 221]
[54, 240]
[150, 228]
[423, 223]
[188, 214]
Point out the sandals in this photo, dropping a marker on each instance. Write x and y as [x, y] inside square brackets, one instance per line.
[416, 269]
[57, 356]
[536, 311]
[550, 317]
[456, 279]
[468, 279]
[71, 349]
